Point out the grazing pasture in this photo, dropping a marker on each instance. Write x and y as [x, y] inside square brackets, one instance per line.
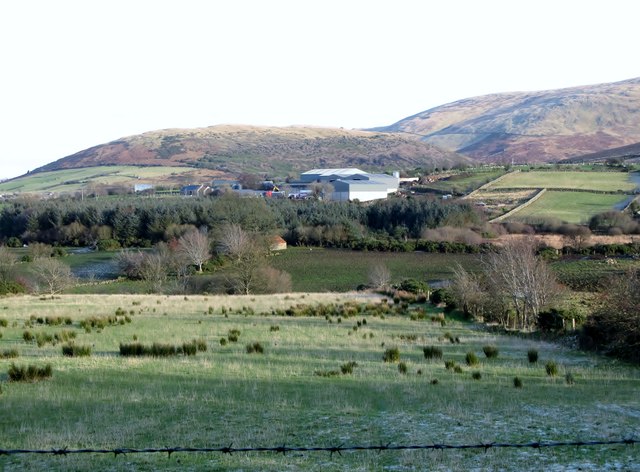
[319, 381]
[570, 207]
[599, 181]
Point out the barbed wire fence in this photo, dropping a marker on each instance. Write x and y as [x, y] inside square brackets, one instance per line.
[230, 449]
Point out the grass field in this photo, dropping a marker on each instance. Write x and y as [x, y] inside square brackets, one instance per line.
[602, 181]
[225, 396]
[320, 270]
[464, 182]
[571, 207]
[73, 180]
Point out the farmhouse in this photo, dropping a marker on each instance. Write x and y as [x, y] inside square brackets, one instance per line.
[350, 183]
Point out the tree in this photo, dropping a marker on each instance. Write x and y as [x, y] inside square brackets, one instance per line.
[468, 292]
[7, 263]
[517, 274]
[379, 276]
[247, 253]
[54, 274]
[615, 325]
[194, 246]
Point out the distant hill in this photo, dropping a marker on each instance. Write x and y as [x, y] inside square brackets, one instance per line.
[532, 126]
[273, 151]
[630, 153]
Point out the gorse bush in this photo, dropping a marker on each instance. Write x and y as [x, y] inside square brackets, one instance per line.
[490, 352]
[74, 350]
[391, 355]
[29, 373]
[476, 375]
[432, 352]
[4, 322]
[402, 368]
[532, 355]
[517, 382]
[449, 364]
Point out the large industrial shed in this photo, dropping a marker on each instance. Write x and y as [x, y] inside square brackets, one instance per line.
[352, 184]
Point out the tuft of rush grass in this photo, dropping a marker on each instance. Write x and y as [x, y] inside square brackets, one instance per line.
[297, 393]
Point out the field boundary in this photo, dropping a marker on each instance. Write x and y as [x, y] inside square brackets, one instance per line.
[520, 207]
[330, 449]
[488, 184]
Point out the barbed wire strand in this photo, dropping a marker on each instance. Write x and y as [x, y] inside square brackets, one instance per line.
[330, 449]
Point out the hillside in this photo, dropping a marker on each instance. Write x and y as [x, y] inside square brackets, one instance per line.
[533, 126]
[629, 153]
[266, 150]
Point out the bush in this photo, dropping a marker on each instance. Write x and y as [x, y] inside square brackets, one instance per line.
[9, 354]
[391, 355]
[517, 382]
[30, 373]
[476, 375]
[491, 352]
[4, 322]
[348, 367]
[255, 348]
[471, 359]
[449, 365]
[402, 368]
[432, 352]
[532, 355]
[569, 378]
[551, 368]
[73, 350]
[223, 341]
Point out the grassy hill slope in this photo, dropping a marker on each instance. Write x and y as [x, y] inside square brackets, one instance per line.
[232, 149]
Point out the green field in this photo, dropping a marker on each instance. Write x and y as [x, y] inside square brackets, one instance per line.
[320, 270]
[601, 181]
[225, 396]
[570, 207]
[465, 182]
[73, 180]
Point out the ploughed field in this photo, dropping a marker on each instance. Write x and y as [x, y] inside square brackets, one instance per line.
[252, 371]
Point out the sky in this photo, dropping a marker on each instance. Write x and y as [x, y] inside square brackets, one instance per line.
[78, 73]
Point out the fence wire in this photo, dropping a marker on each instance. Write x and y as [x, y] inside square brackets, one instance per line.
[230, 449]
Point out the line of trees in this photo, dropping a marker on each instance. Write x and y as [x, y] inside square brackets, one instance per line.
[112, 224]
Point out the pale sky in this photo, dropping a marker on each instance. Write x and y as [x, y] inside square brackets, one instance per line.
[77, 73]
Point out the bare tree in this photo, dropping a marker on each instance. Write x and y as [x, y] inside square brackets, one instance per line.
[468, 292]
[379, 276]
[54, 274]
[247, 252]
[154, 271]
[194, 245]
[516, 273]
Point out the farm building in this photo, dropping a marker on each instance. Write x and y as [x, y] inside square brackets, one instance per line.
[278, 244]
[351, 183]
[195, 190]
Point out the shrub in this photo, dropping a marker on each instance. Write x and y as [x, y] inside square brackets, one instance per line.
[73, 350]
[4, 322]
[471, 359]
[569, 378]
[490, 352]
[30, 373]
[189, 348]
[532, 355]
[274, 328]
[348, 367]
[391, 355]
[476, 375]
[432, 352]
[201, 345]
[449, 365]
[255, 348]
[233, 335]
[457, 369]
[223, 341]
[434, 382]
[9, 354]
[28, 336]
[517, 382]
[551, 368]
[402, 368]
